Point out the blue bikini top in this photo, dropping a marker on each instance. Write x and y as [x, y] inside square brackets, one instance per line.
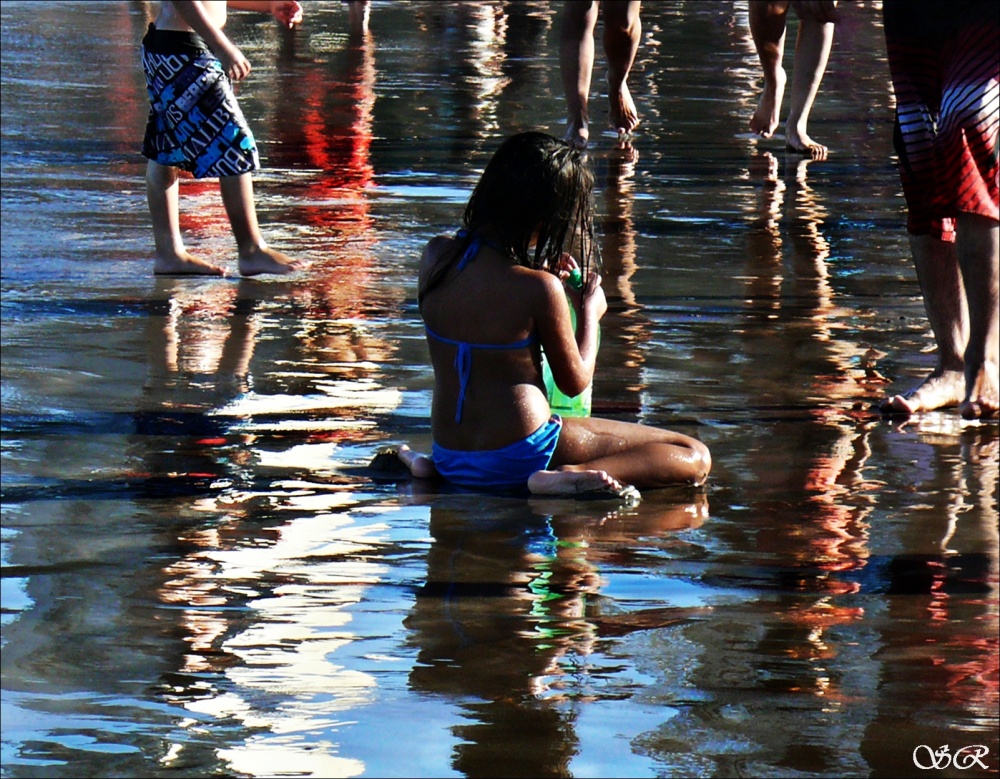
[463, 355]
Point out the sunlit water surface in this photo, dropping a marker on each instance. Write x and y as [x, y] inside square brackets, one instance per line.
[201, 578]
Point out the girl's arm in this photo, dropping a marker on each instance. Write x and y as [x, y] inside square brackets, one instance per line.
[571, 356]
[288, 12]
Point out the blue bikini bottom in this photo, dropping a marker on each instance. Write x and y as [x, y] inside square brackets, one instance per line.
[506, 468]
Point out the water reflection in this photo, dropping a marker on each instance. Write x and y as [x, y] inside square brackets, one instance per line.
[791, 303]
[321, 138]
[272, 559]
[618, 381]
[200, 579]
[938, 626]
[510, 614]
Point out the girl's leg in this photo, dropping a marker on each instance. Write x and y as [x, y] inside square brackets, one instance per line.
[420, 465]
[644, 457]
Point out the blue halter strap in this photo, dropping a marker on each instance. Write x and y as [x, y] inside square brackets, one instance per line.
[463, 354]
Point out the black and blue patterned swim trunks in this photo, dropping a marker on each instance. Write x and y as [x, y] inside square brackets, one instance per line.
[194, 122]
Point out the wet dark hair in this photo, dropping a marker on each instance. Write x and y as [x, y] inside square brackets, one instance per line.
[534, 182]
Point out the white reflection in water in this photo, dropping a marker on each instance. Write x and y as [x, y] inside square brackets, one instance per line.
[280, 674]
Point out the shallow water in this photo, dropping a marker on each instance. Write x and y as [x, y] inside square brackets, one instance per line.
[200, 578]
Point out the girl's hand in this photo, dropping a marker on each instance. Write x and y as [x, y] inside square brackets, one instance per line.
[288, 12]
[565, 268]
[594, 302]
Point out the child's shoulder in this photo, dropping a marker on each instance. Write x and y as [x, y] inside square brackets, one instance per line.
[442, 241]
[436, 247]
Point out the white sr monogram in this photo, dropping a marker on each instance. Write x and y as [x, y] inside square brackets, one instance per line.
[939, 758]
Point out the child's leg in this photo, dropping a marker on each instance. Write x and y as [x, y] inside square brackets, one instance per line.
[622, 31]
[571, 482]
[767, 28]
[576, 62]
[163, 196]
[645, 457]
[978, 250]
[941, 283]
[812, 50]
[255, 257]
[420, 465]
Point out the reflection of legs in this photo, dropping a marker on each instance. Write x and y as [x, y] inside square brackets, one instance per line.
[234, 361]
[622, 30]
[767, 28]
[358, 12]
[944, 300]
[979, 259]
[163, 196]
[812, 50]
[576, 62]
[255, 256]
[618, 251]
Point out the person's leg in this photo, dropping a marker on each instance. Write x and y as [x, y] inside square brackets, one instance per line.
[255, 256]
[968, 168]
[420, 465]
[767, 28]
[576, 63]
[979, 259]
[163, 197]
[915, 67]
[812, 50]
[638, 455]
[944, 301]
[576, 482]
[622, 32]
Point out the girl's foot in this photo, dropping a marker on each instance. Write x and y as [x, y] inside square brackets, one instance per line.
[579, 484]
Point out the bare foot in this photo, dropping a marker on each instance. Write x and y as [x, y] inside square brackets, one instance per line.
[571, 482]
[420, 465]
[983, 399]
[803, 144]
[624, 117]
[185, 265]
[267, 260]
[766, 118]
[937, 391]
[577, 133]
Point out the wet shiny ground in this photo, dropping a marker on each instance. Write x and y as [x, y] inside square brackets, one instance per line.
[199, 577]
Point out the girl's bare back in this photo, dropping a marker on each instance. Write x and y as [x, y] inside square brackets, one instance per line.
[491, 301]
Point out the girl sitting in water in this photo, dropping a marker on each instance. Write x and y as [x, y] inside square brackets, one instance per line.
[491, 298]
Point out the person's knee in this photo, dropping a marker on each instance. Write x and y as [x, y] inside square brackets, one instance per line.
[161, 175]
[700, 460]
[760, 10]
[622, 19]
[578, 18]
